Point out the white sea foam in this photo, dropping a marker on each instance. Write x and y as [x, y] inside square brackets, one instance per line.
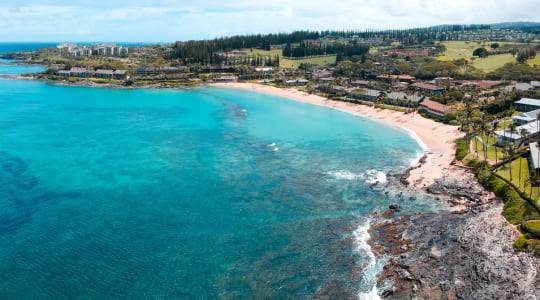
[361, 238]
[375, 176]
[347, 175]
[271, 144]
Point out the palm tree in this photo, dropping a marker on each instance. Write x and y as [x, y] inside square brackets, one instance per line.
[510, 152]
[524, 133]
[512, 129]
[486, 129]
[528, 183]
[492, 132]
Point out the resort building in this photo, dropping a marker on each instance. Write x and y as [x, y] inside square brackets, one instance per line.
[402, 99]
[534, 153]
[225, 78]
[67, 50]
[106, 74]
[428, 88]
[526, 117]
[365, 94]
[297, 82]
[505, 137]
[527, 104]
[79, 72]
[63, 73]
[435, 109]
[120, 74]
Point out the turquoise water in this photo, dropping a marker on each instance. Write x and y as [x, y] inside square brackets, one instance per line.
[200, 194]
[8, 67]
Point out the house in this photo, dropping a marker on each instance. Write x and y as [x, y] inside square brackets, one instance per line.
[404, 78]
[63, 73]
[505, 137]
[318, 74]
[79, 72]
[106, 74]
[365, 94]
[402, 99]
[490, 84]
[120, 74]
[225, 78]
[527, 104]
[429, 88]
[435, 109]
[526, 117]
[297, 82]
[362, 83]
[535, 156]
[470, 86]
[521, 87]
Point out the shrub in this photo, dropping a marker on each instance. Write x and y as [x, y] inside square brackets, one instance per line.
[532, 227]
[537, 248]
[462, 148]
[521, 243]
[516, 208]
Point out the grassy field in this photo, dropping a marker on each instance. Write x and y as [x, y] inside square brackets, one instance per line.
[534, 61]
[458, 49]
[294, 63]
[493, 62]
[504, 171]
[463, 50]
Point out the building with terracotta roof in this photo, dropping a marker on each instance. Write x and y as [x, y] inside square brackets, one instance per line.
[435, 109]
[430, 88]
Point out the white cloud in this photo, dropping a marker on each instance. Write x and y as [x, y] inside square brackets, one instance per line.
[170, 20]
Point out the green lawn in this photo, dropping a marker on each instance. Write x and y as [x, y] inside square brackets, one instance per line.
[464, 49]
[518, 179]
[504, 171]
[493, 62]
[294, 63]
[458, 49]
[534, 61]
[492, 151]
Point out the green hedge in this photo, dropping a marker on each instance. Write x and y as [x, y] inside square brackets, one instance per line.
[516, 208]
[521, 243]
[462, 148]
[532, 227]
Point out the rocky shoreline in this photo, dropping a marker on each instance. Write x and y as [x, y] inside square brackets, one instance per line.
[465, 254]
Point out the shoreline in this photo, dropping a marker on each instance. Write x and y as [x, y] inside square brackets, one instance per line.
[437, 139]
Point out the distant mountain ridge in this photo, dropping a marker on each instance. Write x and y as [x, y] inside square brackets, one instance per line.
[515, 25]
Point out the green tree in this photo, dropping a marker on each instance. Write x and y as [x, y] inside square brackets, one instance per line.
[480, 52]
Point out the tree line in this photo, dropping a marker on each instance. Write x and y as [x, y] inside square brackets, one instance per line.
[299, 43]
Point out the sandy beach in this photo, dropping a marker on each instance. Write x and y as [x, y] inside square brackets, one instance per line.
[437, 138]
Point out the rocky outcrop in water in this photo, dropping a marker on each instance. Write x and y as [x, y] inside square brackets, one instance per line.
[454, 256]
[466, 254]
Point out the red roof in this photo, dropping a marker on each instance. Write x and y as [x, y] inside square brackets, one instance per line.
[435, 106]
[427, 86]
[402, 77]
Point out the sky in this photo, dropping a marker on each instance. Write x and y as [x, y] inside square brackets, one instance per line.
[168, 21]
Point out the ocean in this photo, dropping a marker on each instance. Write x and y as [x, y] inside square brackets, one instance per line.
[208, 193]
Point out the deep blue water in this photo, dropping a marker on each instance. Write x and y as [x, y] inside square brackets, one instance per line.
[200, 194]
